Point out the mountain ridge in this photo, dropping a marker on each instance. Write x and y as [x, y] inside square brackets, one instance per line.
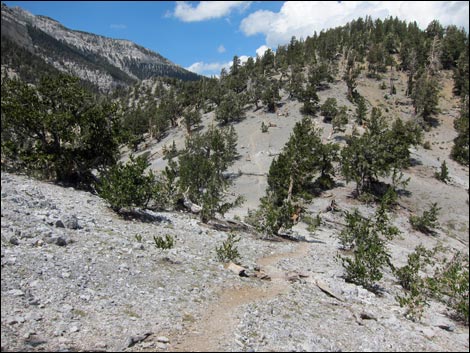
[103, 61]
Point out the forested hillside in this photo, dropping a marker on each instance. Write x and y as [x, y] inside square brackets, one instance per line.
[341, 158]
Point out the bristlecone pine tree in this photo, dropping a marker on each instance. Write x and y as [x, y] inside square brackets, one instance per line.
[292, 176]
[57, 130]
[379, 152]
[201, 166]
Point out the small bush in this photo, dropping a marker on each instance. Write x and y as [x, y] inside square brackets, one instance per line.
[354, 228]
[451, 286]
[365, 237]
[428, 221]
[427, 145]
[443, 174]
[264, 127]
[329, 109]
[164, 243]
[416, 296]
[128, 186]
[312, 223]
[228, 251]
[269, 219]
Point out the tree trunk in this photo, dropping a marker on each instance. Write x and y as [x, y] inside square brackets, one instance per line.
[291, 186]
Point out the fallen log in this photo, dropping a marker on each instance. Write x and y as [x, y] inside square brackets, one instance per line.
[324, 288]
[238, 270]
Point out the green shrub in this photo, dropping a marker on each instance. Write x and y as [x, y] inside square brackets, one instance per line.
[355, 225]
[451, 286]
[228, 250]
[340, 119]
[366, 238]
[449, 283]
[312, 222]
[427, 145]
[270, 218]
[127, 185]
[264, 127]
[417, 293]
[164, 243]
[428, 221]
[329, 109]
[443, 174]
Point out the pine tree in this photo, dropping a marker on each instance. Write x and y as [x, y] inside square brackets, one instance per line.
[271, 96]
[201, 170]
[351, 74]
[461, 74]
[460, 150]
[340, 119]
[230, 109]
[361, 110]
[291, 177]
[192, 117]
[310, 100]
[296, 83]
[426, 97]
[379, 152]
[58, 130]
[329, 109]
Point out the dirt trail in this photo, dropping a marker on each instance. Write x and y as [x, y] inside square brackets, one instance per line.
[218, 323]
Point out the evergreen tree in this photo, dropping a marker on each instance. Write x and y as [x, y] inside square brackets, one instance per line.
[426, 97]
[201, 166]
[310, 100]
[351, 74]
[329, 109]
[128, 185]
[340, 119]
[460, 150]
[461, 74]
[379, 152]
[57, 130]
[192, 117]
[271, 96]
[291, 176]
[230, 109]
[361, 110]
[454, 43]
[296, 83]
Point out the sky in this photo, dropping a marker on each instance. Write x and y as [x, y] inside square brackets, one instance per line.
[204, 36]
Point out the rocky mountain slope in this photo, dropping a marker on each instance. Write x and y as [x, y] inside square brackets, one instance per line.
[105, 62]
[75, 276]
[78, 277]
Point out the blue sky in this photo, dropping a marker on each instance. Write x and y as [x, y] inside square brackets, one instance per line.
[204, 36]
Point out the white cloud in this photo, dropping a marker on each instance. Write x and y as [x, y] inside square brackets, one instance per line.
[243, 59]
[207, 10]
[302, 18]
[221, 49]
[213, 69]
[261, 50]
[209, 69]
